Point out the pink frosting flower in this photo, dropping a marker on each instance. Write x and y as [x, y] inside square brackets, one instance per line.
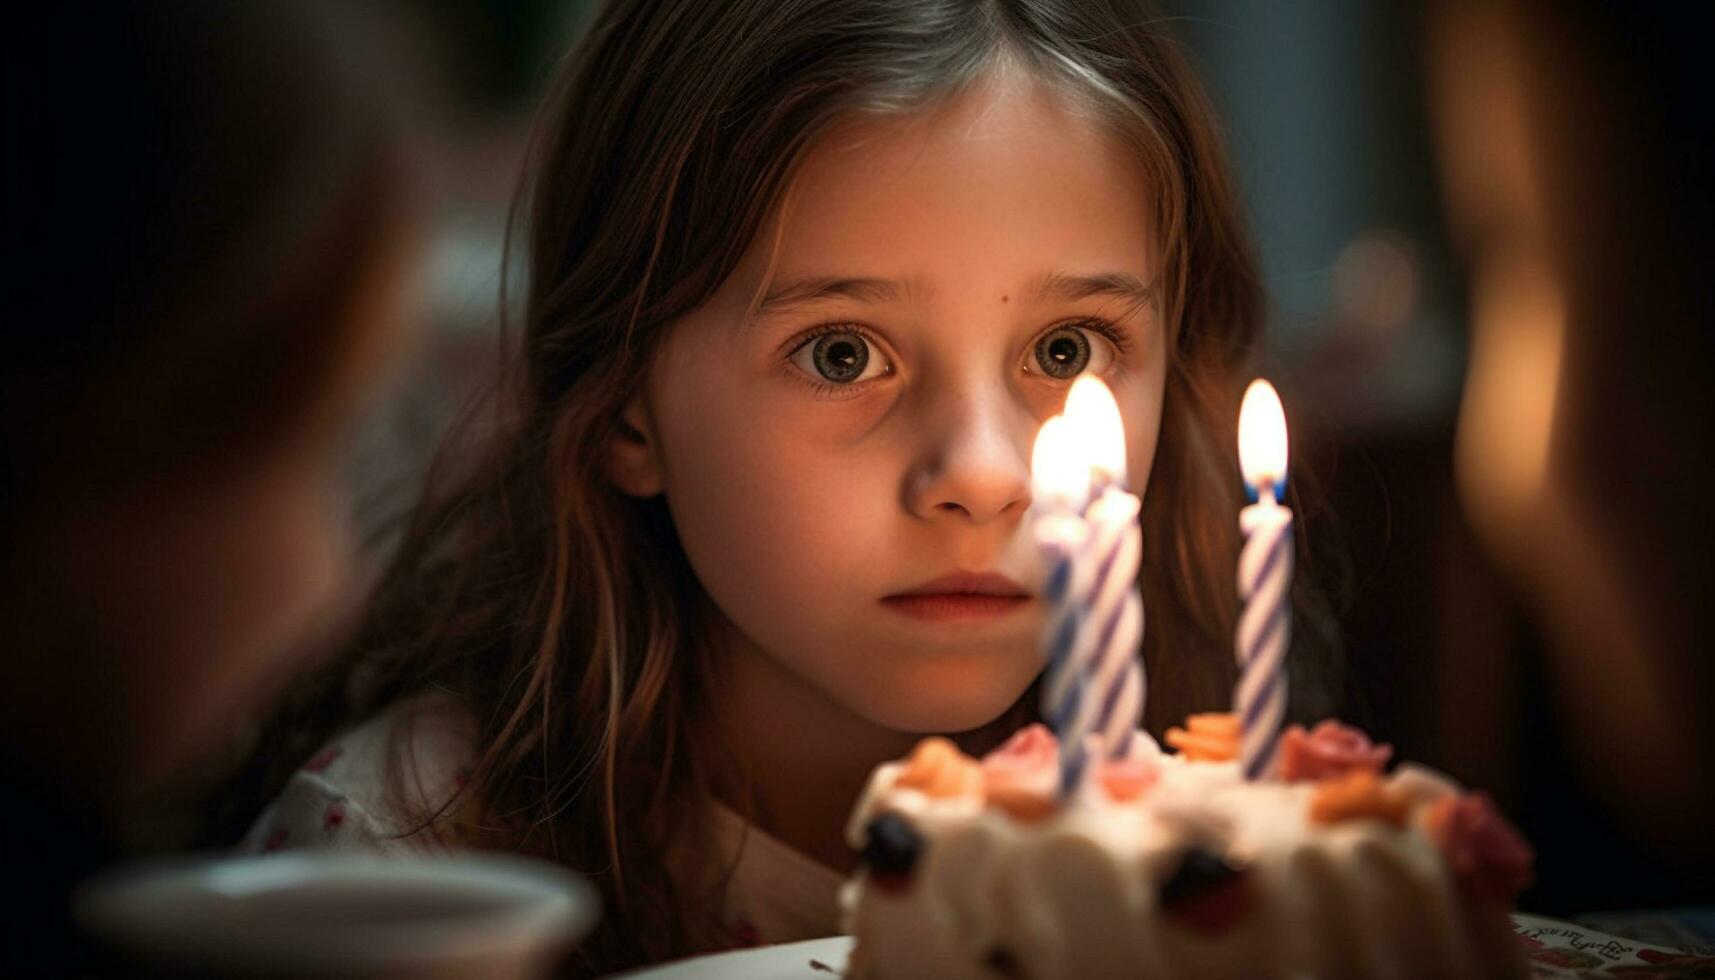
[1031, 749]
[1127, 779]
[1019, 776]
[1329, 749]
[1487, 856]
[1030, 758]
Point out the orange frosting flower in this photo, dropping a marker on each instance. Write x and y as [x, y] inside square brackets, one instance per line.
[1358, 795]
[1022, 802]
[938, 769]
[1212, 737]
[1329, 749]
[1487, 856]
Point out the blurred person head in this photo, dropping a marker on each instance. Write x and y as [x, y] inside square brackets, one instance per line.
[686, 496]
[1574, 140]
[207, 232]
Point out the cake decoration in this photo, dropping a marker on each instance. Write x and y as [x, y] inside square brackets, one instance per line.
[1421, 783]
[1022, 803]
[1019, 776]
[1029, 753]
[1486, 854]
[891, 851]
[939, 769]
[1178, 865]
[1127, 779]
[1358, 795]
[1208, 737]
[1206, 893]
[1329, 749]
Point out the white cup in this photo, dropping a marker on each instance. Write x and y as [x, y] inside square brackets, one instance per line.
[338, 914]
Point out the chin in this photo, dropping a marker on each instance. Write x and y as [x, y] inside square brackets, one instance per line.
[948, 697]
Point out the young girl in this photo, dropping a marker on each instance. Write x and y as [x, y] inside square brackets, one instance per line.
[805, 280]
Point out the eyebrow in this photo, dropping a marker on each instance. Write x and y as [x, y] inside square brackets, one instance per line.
[1063, 286]
[1115, 285]
[813, 289]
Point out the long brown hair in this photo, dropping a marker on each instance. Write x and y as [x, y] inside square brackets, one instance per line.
[563, 612]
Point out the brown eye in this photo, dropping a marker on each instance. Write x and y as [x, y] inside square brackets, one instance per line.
[1071, 349]
[838, 357]
[1063, 353]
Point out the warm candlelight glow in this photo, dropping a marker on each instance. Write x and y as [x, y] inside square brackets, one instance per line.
[1262, 436]
[1506, 420]
[1094, 689]
[1093, 419]
[1058, 467]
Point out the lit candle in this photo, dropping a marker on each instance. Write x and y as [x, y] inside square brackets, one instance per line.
[1095, 681]
[1061, 480]
[1265, 575]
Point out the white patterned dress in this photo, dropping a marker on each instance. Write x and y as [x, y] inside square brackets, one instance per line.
[341, 798]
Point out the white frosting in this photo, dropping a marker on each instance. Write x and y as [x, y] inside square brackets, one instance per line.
[1075, 894]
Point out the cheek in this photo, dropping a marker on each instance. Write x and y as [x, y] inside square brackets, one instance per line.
[791, 513]
[1140, 399]
[773, 504]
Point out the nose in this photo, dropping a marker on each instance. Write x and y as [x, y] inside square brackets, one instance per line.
[975, 464]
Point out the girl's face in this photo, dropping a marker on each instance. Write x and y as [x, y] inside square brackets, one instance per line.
[937, 280]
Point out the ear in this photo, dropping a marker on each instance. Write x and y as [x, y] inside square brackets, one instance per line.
[633, 462]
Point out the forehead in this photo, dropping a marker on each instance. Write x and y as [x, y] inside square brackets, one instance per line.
[1001, 183]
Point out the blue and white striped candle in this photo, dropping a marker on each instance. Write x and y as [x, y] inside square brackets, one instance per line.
[1095, 681]
[1114, 665]
[1061, 487]
[1265, 579]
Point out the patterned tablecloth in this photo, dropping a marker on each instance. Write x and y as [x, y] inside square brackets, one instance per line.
[1675, 945]
[1630, 944]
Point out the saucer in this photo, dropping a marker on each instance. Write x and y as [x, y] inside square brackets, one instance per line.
[332, 913]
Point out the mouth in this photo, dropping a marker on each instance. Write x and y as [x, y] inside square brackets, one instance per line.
[961, 596]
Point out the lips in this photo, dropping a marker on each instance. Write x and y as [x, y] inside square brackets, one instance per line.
[961, 596]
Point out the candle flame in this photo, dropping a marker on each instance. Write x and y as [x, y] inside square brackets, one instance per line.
[1058, 470]
[1262, 436]
[1093, 419]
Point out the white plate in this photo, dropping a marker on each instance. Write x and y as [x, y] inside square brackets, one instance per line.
[338, 913]
[813, 959]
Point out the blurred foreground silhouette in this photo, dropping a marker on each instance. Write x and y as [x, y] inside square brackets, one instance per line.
[1575, 146]
[208, 225]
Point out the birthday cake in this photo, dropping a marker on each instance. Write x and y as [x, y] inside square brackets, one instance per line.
[1175, 865]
